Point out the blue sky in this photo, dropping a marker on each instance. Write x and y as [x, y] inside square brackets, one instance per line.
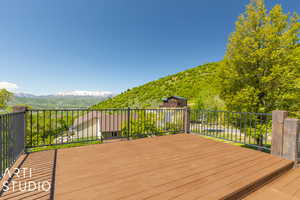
[50, 46]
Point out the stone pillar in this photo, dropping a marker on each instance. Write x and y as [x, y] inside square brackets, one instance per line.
[291, 139]
[187, 120]
[20, 125]
[278, 117]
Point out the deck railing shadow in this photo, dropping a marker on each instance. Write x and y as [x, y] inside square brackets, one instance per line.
[35, 180]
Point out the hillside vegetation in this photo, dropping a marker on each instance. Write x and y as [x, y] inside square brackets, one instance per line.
[191, 84]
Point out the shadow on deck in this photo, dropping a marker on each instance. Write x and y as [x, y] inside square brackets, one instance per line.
[36, 170]
[167, 167]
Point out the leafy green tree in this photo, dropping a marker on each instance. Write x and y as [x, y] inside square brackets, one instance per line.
[142, 126]
[5, 96]
[262, 64]
[43, 127]
[209, 100]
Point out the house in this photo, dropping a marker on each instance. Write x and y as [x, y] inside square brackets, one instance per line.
[99, 124]
[174, 102]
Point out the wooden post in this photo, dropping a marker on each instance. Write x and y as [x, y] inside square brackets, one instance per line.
[291, 139]
[187, 120]
[278, 117]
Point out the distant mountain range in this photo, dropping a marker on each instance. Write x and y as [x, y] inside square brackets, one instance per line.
[70, 93]
[86, 93]
[72, 99]
[24, 95]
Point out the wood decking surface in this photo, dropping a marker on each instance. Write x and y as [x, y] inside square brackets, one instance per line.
[286, 187]
[179, 166]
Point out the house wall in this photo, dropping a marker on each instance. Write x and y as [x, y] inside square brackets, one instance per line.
[87, 130]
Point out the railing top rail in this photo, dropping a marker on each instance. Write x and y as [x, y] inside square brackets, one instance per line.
[11, 113]
[253, 113]
[181, 108]
[115, 109]
[104, 109]
[73, 109]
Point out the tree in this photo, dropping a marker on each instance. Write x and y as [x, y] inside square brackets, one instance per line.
[5, 96]
[208, 100]
[261, 67]
[143, 125]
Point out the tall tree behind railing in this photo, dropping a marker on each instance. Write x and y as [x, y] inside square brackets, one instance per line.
[5, 96]
[261, 68]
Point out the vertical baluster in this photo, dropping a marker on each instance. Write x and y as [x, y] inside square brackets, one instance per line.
[44, 128]
[50, 127]
[1, 147]
[56, 128]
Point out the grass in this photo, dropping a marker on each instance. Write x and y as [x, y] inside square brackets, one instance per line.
[76, 143]
[79, 142]
[235, 143]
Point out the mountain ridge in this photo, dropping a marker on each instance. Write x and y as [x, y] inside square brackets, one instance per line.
[75, 93]
[191, 84]
[57, 101]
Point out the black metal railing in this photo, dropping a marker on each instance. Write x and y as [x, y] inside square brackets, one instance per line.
[12, 134]
[253, 129]
[37, 128]
[57, 127]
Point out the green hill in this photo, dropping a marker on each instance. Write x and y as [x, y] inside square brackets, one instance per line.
[194, 84]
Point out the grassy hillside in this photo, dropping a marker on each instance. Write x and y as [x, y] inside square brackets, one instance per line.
[192, 84]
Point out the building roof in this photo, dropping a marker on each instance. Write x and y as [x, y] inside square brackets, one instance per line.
[174, 97]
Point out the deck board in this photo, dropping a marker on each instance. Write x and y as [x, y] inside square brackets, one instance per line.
[286, 187]
[179, 166]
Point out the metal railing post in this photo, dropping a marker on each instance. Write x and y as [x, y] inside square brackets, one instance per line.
[128, 123]
[23, 129]
[187, 120]
[1, 147]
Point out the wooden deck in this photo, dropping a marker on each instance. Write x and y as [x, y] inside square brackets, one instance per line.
[286, 187]
[167, 167]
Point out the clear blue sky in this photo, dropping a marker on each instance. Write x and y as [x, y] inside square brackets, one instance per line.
[49, 46]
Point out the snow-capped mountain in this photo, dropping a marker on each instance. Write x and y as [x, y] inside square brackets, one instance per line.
[70, 93]
[86, 93]
[26, 95]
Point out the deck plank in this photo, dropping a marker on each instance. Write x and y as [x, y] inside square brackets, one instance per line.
[286, 187]
[179, 166]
